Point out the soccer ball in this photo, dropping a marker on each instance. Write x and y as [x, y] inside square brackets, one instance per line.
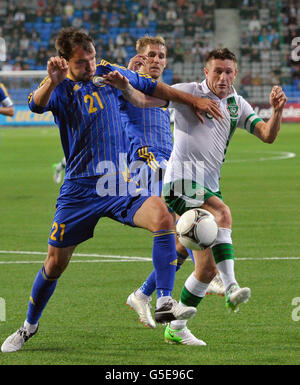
[197, 229]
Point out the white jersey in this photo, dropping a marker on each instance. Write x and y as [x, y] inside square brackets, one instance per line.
[199, 149]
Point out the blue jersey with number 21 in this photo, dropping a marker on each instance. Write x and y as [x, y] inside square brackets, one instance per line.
[88, 117]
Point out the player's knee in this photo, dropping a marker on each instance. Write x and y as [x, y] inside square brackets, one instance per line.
[154, 215]
[162, 220]
[160, 217]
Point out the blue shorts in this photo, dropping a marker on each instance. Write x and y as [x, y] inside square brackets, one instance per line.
[79, 207]
[147, 168]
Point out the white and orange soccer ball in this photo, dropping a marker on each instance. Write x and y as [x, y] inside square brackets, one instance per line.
[197, 229]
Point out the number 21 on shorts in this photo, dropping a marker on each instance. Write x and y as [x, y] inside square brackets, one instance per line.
[57, 231]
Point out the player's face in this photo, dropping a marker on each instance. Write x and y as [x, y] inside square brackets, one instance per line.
[220, 75]
[157, 60]
[82, 65]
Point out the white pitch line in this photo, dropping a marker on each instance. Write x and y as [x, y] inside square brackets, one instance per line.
[20, 252]
[76, 261]
[116, 258]
[267, 259]
[278, 155]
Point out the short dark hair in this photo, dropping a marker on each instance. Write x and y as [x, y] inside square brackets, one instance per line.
[222, 54]
[69, 38]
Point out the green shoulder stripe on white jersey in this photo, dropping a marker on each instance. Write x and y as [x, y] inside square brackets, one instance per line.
[233, 109]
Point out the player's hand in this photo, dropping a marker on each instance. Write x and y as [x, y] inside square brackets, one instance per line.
[277, 98]
[116, 80]
[137, 62]
[208, 106]
[57, 69]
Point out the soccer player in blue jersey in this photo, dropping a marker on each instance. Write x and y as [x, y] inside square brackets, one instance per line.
[151, 143]
[86, 111]
[6, 104]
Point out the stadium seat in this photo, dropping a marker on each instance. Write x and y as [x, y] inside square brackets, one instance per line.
[277, 57]
[78, 13]
[87, 25]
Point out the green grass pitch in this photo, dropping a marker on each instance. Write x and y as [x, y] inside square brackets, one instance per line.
[86, 320]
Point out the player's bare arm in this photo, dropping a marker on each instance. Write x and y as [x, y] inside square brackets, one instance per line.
[131, 94]
[163, 92]
[57, 72]
[199, 105]
[268, 131]
[7, 111]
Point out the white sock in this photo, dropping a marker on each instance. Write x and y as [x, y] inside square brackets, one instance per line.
[31, 328]
[140, 294]
[226, 267]
[226, 270]
[196, 287]
[161, 300]
[192, 284]
[178, 324]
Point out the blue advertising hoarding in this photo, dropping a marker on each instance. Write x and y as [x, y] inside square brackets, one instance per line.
[24, 117]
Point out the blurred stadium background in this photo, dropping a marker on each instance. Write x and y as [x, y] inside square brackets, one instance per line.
[263, 34]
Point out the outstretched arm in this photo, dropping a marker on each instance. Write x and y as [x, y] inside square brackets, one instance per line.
[135, 97]
[268, 131]
[162, 93]
[199, 105]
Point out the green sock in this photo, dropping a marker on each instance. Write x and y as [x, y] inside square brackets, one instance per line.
[193, 291]
[223, 251]
[224, 257]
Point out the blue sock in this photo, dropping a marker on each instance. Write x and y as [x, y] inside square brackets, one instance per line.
[42, 290]
[149, 285]
[180, 259]
[164, 261]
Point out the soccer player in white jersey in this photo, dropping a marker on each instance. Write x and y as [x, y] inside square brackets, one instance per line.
[150, 141]
[193, 173]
